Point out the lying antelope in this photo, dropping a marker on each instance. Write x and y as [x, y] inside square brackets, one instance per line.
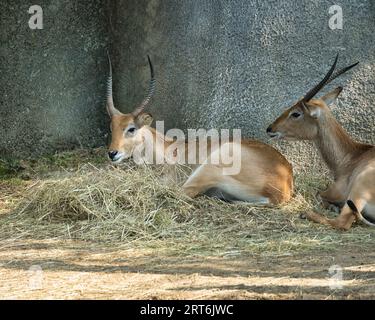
[352, 163]
[265, 176]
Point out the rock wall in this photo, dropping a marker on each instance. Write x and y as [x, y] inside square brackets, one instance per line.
[51, 85]
[238, 64]
[219, 64]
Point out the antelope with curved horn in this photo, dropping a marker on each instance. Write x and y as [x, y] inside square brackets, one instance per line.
[352, 163]
[265, 176]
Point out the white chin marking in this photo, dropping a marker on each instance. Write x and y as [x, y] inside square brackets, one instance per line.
[117, 161]
[276, 136]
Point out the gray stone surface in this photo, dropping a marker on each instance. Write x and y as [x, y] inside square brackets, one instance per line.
[238, 64]
[51, 85]
[219, 64]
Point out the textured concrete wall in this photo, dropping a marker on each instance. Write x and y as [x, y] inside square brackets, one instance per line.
[238, 64]
[51, 84]
[219, 64]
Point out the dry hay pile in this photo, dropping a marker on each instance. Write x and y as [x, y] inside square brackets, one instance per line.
[141, 206]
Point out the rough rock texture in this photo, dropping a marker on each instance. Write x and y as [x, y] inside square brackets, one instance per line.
[238, 64]
[51, 85]
[219, 64]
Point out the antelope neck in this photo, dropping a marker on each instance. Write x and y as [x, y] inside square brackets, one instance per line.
[336, 147]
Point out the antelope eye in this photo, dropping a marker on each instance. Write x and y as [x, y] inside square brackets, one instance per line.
[131, 130]
[295, 115]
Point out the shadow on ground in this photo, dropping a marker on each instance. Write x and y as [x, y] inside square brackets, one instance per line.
[71, 270]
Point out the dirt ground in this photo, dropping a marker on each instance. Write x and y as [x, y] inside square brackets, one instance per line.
[258, 255]
[77, 270]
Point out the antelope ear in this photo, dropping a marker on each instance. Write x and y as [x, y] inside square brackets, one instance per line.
[144, 119]
[315, 112]
[312, 110]
[331, 96]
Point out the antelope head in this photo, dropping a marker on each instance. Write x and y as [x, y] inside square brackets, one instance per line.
[127, 128]
[300, 121]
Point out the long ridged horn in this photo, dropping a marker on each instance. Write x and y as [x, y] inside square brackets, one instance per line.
[309, 95]
[110, 105]
[151, 91]
[340, 72]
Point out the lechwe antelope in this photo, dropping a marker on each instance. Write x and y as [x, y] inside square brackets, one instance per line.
[352, 163]
[264, 175]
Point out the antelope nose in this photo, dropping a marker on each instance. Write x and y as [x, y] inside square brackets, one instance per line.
[112, 154]
[269, 129]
